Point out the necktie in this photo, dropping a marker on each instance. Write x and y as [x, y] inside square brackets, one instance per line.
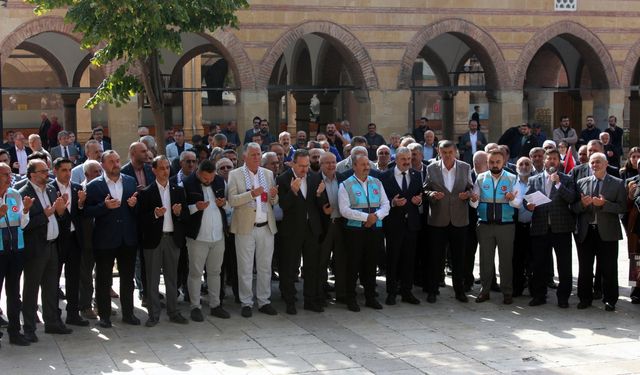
[404, 182]
[596, 190]
[65, 154]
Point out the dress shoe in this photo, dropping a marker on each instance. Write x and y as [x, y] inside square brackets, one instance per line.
[76, 320]
[609, 307]
[373, 303]
[178, 318]
[60, 329]
[391, 300]
[583, 305]
[563, 304]
[268, 309]
[291, 309]
[19, 340]
[3, 323]
[113, 294]
[104, 323]
[597, 294]
[30, 336]
[410, 298]
[353, 306]
[635, 300]
[131, 320]
[151, 322]
[507, 299]
[496, 288]
[537, 301]
[442, 284]
[313, 307]
[219, 312]
[431, 298]
[61, 294]
[89, 313]
[246, 311]
[462, 297]
[482, 297]
[196, 315]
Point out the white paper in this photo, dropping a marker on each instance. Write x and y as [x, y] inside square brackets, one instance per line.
[537, 198]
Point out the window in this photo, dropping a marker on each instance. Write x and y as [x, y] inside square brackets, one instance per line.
[566, 5]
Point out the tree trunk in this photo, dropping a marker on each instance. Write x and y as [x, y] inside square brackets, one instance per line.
[152, 81]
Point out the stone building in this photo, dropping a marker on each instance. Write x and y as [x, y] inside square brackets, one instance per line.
[367, 61]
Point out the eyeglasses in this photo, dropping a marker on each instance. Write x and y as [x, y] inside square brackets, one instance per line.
[190, 161]
[226, 167]
[42, 171]
[525, 164]
[383, 153]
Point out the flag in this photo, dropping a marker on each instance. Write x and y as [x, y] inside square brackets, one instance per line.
[569, 162]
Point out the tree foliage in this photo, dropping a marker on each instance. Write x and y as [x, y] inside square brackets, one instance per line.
[131, 34]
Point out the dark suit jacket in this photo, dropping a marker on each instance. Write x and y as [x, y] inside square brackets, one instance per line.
[467, 155]
[149, 200]
[614, 192]
[14, 157]
[113, 227]
[75, 216]
[194, 193]
[296, 208]
[148, 174]
[35, 233]
[558, 210]
[582, 171]
[407, 215]
[248, 135]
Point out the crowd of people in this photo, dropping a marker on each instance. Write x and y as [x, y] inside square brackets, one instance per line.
[222, 211]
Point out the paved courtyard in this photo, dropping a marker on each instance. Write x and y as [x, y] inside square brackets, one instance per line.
[443, 338]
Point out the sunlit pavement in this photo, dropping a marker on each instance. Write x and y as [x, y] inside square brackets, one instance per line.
[446, 337]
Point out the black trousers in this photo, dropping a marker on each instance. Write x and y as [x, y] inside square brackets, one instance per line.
[11, 265]
[606, 253]
[521, 257]
[72, 265]
[401, 252]
[126, 257]
[471, 247]
[455, 237]
[541, 253]
[362, 247]
[333, 242]
[40, 271]
[305, 244]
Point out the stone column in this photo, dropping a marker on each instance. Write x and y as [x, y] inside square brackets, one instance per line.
[505, 111]
[123, 127]
[252, 103]
[70, 102]
[634, 119]
[390, 111]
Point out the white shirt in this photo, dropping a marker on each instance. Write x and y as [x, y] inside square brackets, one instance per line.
[473, 138]
[52, 224]
[303, 185]
[22, 160]
[398, 175]
[66, 190]
[345, 204]
[211, 223]
[165, 197]
[547, 184]
[449, 176]
[261, 216]
[115, 188]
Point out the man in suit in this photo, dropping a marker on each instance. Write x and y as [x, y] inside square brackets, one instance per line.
[93, 151]
[252, 193]
[111, 201]
[15, 211]
[176, 148]
[64, 149]
[43, 131]
[602, 198]
[364, 204]
[248, 135]
[41, 252]
[298, 192]
[347, 164]
[403, 187]
[472, 141]
[71, 236]
[551, 227]
[522, 249]
[98, 135]
[205, 236]
[19, 153]
[448, 187]
[162, 213]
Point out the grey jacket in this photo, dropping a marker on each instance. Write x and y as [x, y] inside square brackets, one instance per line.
[614, 192]
[450, 209]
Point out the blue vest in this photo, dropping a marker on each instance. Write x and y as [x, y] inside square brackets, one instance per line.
[12, 236]
[494, 208]
[367, 202]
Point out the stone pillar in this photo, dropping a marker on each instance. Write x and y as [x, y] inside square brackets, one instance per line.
[192, 101]
[390, 111]
[634, 119]
[292, 112]
[505, 111]
[123, 128]
[252, 103]
[83, 116]
[70, 102]
[449, 107]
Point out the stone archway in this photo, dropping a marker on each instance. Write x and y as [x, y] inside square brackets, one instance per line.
[352, 50]
[478, 40]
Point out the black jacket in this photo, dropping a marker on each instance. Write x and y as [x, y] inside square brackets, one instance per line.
[149, 200]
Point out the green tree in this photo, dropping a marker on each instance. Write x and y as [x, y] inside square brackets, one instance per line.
[131, 34]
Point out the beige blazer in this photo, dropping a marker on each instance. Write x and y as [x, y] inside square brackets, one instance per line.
[244, 216]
